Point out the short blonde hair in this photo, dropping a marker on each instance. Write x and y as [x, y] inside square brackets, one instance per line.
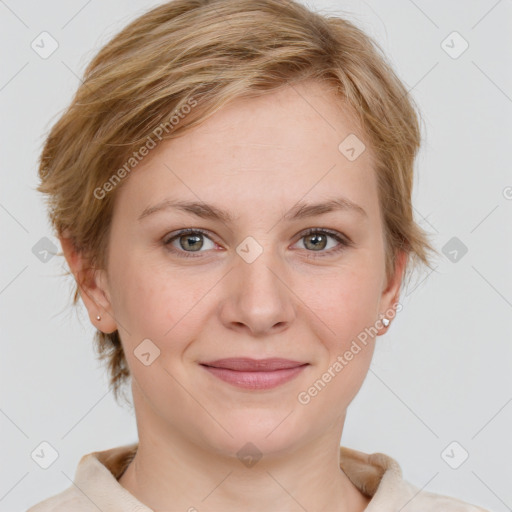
[176, 65]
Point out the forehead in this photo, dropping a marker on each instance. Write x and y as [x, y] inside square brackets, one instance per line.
[301, 118]
[283, 146]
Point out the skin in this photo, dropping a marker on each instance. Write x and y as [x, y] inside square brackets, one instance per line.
[255, 158]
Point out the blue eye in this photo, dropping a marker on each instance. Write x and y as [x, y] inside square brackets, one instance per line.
[192, 240]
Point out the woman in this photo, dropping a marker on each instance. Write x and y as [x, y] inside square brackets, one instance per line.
[231, 186]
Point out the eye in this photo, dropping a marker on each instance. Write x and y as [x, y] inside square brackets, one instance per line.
[188, 241]
[316, 240]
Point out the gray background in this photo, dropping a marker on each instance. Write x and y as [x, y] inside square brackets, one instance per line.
[441, 374]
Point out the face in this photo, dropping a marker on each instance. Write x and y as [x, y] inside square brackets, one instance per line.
[263, 283]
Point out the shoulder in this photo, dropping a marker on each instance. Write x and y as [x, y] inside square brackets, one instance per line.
[424, 501]
[95, 486]
[65, 501]
[380, 476]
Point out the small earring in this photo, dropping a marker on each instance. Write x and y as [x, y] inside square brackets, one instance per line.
[98, 317]
[385, 321]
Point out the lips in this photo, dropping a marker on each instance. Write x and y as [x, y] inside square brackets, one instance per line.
[255, 374]
[245, 364]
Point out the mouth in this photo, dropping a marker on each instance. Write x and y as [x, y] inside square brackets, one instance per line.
[246, 364]
[255, 373]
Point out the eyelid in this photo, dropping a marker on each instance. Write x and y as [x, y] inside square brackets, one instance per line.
[170, 237]
[343, 241]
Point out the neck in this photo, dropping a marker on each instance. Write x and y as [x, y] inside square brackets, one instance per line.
[182, 476]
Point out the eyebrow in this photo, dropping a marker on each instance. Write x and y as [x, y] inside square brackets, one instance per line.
[300, 211]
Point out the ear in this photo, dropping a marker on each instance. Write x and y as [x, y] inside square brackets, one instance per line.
[93, 286]
[391, 294]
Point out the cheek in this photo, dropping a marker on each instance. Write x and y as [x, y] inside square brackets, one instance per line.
[158, 303]
[347, 301]
[347, 308]
[146, 302]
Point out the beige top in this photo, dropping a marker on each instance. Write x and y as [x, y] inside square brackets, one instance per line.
[377, 475]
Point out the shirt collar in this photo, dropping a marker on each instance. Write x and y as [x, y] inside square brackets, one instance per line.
[376, 475]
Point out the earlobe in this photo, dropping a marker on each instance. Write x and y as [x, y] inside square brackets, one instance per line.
[96, 299]
[391, 294]
[92, 286]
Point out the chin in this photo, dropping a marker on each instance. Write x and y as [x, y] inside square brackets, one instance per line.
[263, 432]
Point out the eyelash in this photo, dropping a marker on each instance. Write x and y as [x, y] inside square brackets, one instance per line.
[344, 242]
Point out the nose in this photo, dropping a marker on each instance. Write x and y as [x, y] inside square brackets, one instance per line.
[258, 300]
